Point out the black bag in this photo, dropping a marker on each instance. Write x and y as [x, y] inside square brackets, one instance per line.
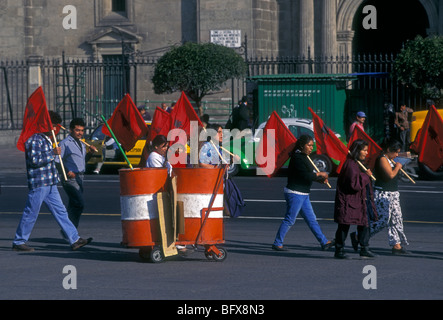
[233, 200]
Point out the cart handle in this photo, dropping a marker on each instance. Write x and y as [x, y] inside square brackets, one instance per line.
[214, 194]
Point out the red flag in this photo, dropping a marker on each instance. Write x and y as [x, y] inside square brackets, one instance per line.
[326, 141]
[429, 141]
[374, 149]
[182, 115]
[36, 119]
[161, 123]
[127, 124]
[278, 148]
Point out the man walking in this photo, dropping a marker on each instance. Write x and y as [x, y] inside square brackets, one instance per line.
[74, 157]
[42, 183]
[402, 123]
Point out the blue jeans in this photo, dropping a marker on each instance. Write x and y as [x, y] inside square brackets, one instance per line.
[51, 197]
[74, 190]
[296, 203]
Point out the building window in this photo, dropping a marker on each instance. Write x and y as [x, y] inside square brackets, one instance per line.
[114, 12]
[118, 5]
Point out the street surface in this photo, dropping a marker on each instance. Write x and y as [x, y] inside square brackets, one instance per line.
[105, 270]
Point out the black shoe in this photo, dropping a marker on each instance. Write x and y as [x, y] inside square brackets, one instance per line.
[328, 245]
[400, 251]
[279, 248]
[366, 253]
[340, 254]
[80, 243]
[354, 241]
[22, 247]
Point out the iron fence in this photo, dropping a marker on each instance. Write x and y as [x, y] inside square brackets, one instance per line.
[88, 89]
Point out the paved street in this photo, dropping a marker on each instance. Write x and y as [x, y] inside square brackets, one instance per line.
[252, 271]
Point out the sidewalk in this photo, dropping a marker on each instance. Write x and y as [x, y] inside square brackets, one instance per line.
[12, 159]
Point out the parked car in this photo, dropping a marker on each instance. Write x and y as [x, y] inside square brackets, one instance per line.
[111, 155]
[298, 127]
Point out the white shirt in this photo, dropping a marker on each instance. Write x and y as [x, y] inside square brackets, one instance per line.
[156, 160]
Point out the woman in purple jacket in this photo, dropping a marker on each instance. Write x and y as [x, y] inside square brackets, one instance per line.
[354, 188]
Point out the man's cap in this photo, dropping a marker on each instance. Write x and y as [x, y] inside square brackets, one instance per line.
[361, 114]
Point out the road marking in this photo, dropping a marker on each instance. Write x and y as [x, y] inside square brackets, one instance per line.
[240, 217]
[282, 200]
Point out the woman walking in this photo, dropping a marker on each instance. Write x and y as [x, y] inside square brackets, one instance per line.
[351, 206]
[387, 199]
[300, 178]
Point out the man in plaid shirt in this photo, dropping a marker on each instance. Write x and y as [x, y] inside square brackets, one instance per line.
[42, 182]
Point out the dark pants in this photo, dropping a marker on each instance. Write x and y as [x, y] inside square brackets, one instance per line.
[74, 190]
[405, 140]
[342, 233]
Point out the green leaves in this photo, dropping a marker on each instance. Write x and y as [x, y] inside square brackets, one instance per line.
[197, 69]
[420, 64]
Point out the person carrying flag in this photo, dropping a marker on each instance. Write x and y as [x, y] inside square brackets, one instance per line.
[209, 155]
[74, 156]
[300, 178]
[42, 183]
[354, 202]
[387, 199]
[359, 122]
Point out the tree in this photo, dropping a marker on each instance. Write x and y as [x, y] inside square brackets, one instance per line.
[420, 65]
[197, 69]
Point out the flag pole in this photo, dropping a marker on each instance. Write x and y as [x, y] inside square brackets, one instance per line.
[363, 167]
[121, 149]
[84, 142]
[401, 169]
[59, 156]
[315, 167]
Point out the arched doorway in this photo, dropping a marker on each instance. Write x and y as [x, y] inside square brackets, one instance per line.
[397, 22]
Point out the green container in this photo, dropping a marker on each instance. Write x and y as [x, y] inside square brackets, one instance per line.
[290, 95]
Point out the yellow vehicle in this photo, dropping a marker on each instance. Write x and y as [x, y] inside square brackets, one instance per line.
[108, 152]
[418, 117]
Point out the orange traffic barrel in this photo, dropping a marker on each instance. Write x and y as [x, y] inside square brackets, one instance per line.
[139, 211]
[195, 188]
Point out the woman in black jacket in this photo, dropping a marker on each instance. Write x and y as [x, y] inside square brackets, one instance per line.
[300, 177]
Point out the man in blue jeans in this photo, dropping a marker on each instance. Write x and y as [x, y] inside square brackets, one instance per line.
[74, 157]
[42, 183]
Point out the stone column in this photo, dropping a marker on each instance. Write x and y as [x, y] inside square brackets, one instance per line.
[306, 42]
[306, 27]
[328, 33]
[29, 28]
[34, 72]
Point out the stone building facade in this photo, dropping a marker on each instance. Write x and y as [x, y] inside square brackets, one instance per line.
[274, 27]
[34, 29]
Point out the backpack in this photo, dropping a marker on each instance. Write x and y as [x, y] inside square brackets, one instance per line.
[233, 200]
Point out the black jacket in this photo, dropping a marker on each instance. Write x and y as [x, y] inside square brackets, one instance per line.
[300, 173]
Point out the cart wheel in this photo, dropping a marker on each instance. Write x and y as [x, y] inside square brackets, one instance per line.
[208, 255]
[222, 256]
[156, 255]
